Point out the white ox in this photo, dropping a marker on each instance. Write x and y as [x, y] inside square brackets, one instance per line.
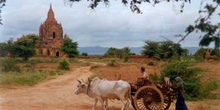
[102, 90]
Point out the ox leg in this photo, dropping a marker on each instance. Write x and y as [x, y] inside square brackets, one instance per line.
[125, 104]
[106, 103]
[102, 103]
[94, 105]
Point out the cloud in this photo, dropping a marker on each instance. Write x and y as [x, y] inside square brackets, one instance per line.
[113, 26]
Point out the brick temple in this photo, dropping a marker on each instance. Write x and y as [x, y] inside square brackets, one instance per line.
[50, 37]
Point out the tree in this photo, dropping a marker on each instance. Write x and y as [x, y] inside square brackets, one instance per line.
[111, 52]
[150, 48]
[134, 4]
[120, 53]
[6, 48]
[126, 53]
[163, 50]
[25, 46]
[2, 4]
[70, 48]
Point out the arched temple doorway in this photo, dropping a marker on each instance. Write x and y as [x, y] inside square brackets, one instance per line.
[57, 54]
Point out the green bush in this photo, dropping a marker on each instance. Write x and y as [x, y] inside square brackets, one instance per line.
[154, 77]
[200, 53]
[190, 74]
[64, 65]
[9, 65]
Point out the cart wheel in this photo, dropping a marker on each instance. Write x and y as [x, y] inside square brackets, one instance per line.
[148, 98]
[167, 101]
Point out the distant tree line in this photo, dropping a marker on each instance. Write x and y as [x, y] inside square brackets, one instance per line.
[163, 50]
[25, 47]
[123, 53]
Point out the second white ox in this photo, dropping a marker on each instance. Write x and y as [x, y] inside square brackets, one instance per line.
[102, 90]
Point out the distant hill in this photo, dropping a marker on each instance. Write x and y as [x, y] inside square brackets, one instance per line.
[192, 50]
[94, 50]
[97, 50]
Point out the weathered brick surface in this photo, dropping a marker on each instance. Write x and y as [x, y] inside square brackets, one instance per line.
[50, 37]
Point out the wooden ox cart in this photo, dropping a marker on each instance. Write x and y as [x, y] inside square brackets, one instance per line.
[149, 96]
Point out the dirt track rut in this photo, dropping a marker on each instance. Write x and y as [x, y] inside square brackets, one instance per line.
[55, 94]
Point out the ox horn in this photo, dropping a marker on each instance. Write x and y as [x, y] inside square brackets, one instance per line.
[79, 81]
[89, 80]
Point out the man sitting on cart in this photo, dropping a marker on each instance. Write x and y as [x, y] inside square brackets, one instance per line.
[144, 79]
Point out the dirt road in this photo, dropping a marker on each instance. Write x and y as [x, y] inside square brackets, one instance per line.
[57, 94]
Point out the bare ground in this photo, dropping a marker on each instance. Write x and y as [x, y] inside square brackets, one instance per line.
[57, 94]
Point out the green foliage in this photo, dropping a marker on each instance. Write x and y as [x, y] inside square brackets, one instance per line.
[24, 78]
[150, 48]
[190, 74]
[111, 52]
[7, 48]
[215, 53]
[9, 65]
[70, 48]
[25, 46]
[64, 65]
[126, 53]
[200, 54]
[123, 53]
[154, 77]
[84, 54]
[163, 50]
[207, 88]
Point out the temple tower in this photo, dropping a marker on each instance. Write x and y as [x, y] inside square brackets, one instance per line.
[50, 37]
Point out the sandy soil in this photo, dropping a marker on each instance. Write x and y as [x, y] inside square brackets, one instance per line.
[57, 94]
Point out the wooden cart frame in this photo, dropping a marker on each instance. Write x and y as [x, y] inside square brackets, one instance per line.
[149, 96]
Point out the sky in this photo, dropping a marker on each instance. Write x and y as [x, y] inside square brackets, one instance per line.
[112, 26]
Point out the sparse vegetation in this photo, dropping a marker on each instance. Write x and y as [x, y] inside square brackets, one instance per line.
[64, 65]
[150, 63]
[9, 65]
[28, 78]
[113, 63]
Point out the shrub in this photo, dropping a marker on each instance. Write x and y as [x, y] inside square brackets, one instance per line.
[64, 65]
[207, 88]
[199, 55]
[9, 65]
[154, 77]
[191, 76]
[150, 63]
[113, 63]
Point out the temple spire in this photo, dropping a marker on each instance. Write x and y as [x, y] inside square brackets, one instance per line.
[50, 12]
[50, 15]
